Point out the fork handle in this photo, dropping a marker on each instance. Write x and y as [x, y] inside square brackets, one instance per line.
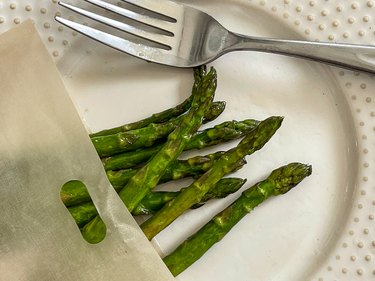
[350, 56]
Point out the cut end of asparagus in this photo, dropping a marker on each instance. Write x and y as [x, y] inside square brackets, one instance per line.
[287, 177]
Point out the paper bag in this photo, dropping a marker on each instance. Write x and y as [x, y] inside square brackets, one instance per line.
[43, 145]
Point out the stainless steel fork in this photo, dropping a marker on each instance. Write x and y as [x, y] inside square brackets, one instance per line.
[187, 37]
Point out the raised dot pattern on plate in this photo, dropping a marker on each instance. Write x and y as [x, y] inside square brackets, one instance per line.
[55, 36]
[352, 22]
[321, 20]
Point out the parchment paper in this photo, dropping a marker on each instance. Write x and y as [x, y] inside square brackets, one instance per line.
[43, 144]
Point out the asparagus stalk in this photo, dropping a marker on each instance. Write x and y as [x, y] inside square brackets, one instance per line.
[159, 117]
[279, 182]
[154, 201]
[218, 134]
[94, 231]
[179, 169]
[130, 159]
[223, 132]
[144, 137]
[195, 192]
[148, 176]
[193, 167]
[83, 213]
[74, 193]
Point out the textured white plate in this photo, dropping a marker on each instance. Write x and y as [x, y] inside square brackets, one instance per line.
[322, 230]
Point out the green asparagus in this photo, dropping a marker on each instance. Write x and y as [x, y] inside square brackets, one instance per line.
[179, 169]
[144, 137]
[130, 159]
[193, 195]
[148, 176]
[218, 134]
[279, 182]
[154, 118]
[139, 155]
[83, 213]
[154, 201]
[97, 234]
[223, 132]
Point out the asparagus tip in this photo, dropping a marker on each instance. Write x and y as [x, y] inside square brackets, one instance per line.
[289, 176]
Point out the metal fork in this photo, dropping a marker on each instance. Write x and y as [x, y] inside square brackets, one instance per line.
[187, 37]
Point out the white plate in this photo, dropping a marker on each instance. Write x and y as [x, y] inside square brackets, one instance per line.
[322, 230]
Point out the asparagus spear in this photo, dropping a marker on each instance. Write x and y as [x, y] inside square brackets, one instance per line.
[154, 118]
[154, 201]
[223, 132]
[108, 145]
[279, 182]
[179, 169]
[83, 213]
[148, 176]
[130, 159]
[74, 192]
[194, 193]
[97, 234]
[220, 133]
[222, 189]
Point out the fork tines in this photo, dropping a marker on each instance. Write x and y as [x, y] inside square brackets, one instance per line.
[160, 20]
